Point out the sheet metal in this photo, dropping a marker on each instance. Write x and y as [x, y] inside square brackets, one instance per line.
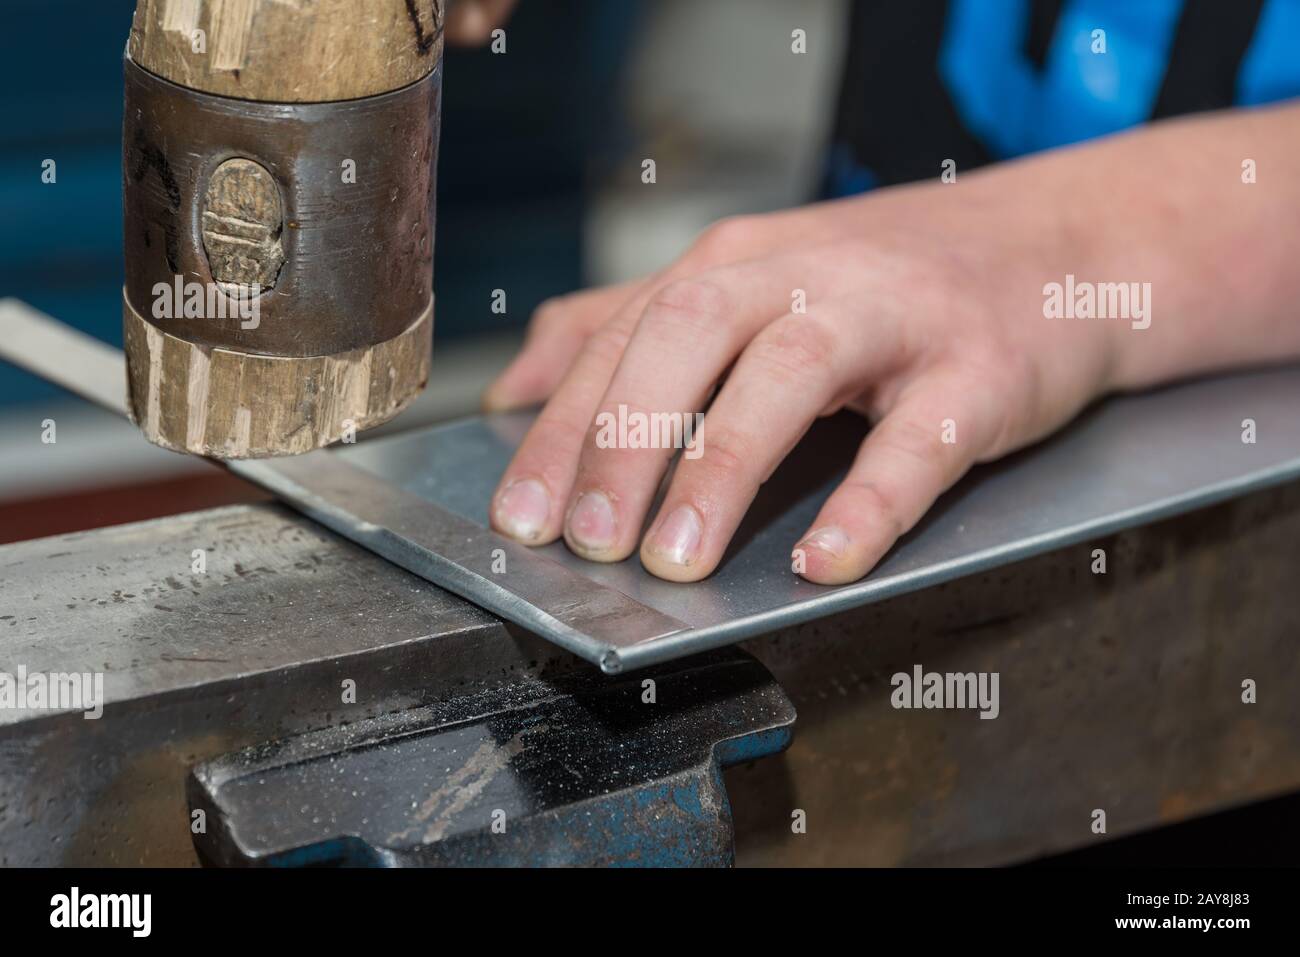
[462, 555]
[60, 354]
[1125, 462]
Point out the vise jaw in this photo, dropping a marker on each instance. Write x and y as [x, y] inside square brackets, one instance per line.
[586, 770]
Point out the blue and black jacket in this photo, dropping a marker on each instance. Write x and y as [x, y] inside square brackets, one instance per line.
[977, 81]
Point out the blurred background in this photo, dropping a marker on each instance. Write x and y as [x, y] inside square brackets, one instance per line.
[539, 193]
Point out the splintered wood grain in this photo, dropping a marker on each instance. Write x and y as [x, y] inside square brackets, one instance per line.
[288, 51]
[233, 405]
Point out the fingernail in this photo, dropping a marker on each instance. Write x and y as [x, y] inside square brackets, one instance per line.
[830, 539]
[591, 523]
[677, 539]
[494, 401]
[522, 509]
[499, 395]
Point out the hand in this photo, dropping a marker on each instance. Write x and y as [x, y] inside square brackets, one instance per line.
[925, 312]
[471, 22]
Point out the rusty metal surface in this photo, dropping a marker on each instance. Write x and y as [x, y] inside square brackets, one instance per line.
[1119, 691]
[195, 665]
[130, 601]
[358, 255]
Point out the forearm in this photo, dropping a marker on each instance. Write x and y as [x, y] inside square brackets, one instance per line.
[1168, 205]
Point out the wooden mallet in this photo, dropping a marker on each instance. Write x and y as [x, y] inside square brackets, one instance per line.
[278, 188]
